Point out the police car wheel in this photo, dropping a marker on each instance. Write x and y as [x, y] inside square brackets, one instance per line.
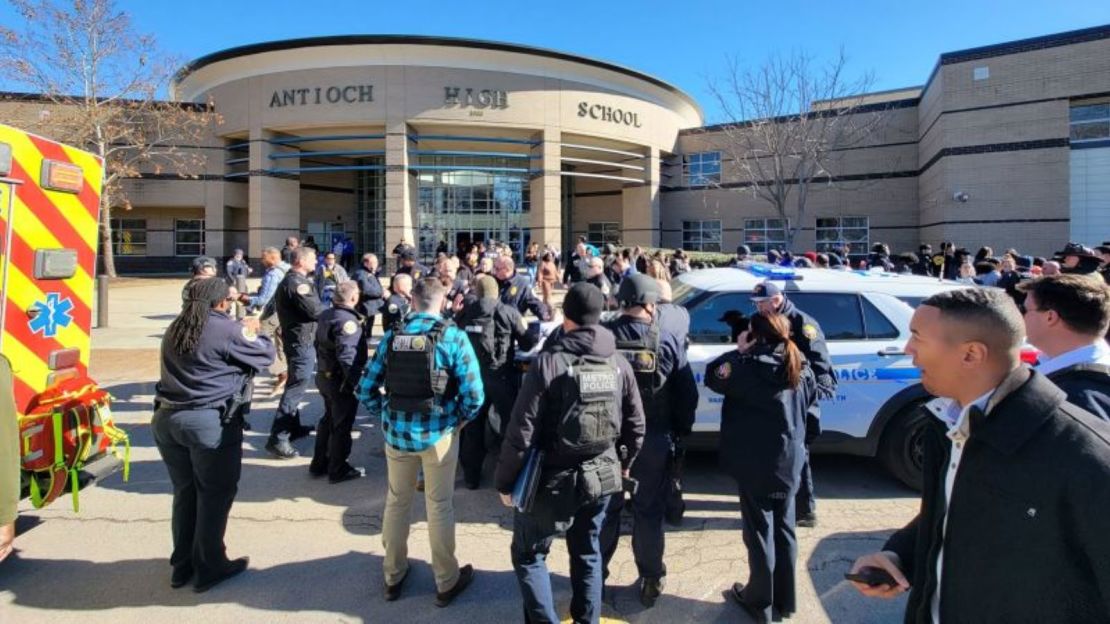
[902, 449]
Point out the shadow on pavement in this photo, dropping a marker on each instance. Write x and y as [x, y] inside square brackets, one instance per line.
[830, 559]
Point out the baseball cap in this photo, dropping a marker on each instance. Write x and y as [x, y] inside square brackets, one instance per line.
[583, 304]
[203, 262]
[764, 291]
[408, 253]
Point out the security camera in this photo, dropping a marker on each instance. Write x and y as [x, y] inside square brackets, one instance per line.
[961, 197]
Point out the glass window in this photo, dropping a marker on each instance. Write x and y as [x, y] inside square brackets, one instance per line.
[837, 314]
[833, 232]
[601, 232]
[706, 326]
[1090, 122]
[188, 237]
[701, 235]
[129, 237]
[762, 235]
[878, 325]
[701, 168]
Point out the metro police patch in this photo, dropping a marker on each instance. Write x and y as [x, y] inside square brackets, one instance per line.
[248, 334]
[350, 327]
[303, 289]
[809, 331]
[512, 291]
[393, 308]
[599, 382]
[724, 371]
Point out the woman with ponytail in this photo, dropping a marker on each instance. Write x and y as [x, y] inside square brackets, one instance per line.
[768, 386]
[207, 364]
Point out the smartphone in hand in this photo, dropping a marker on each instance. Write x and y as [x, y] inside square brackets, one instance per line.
[872, 577]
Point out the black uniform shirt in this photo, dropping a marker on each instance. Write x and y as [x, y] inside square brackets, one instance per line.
[396, 307]
[517, 292]
[297, 305]
[341, 344]
[226, 354]
[371, 294]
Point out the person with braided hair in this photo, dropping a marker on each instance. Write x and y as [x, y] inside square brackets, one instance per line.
[208, 361]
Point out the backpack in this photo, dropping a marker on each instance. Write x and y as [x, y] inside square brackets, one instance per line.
[413, 383]
[63, 428]
[483, 337]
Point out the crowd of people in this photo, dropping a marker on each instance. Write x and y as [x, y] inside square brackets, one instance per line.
[597, 421]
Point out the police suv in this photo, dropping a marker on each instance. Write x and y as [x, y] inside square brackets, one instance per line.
[865, 316]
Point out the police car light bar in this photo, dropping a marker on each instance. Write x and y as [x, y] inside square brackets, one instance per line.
[771, 271]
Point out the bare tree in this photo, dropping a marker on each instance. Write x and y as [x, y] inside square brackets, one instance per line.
[97, 83]
[788, 124]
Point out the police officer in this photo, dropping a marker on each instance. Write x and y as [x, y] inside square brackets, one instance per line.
[578, 404]
[424, 383]
[399, 302]
[207, 364]
[297, 306]
[516, 290]
[670, 397]
[203, 268]
[340, 356]
[372, 295]
[496, 331]
[807, 334]
[408, 265]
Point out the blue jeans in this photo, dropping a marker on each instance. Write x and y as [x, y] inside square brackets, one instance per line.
[533, 534]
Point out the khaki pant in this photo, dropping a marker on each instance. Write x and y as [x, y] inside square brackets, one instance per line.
[270, 328]
[439, 462]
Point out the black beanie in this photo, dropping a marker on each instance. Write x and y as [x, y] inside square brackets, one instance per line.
[583, 304]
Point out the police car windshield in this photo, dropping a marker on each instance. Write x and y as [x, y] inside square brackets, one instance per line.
[682, 293]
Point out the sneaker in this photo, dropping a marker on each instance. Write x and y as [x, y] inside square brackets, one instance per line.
[466, 575]
[650, 590]
[281, 449]
[393, 592]
[349, 474]
[233, 567]
[808, 521]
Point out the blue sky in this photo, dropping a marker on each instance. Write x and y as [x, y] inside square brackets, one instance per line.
[685, 42]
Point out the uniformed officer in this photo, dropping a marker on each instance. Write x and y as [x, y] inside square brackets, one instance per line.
[408, 265]
[399, 302]
[425, 384]
[372, 295]
[340, 357]
[670, 398]
[207, 364]
[577, 405]
[807, 334]
[496, 331]
[297, 307]
[516, 290]
[768, 387]
[203, 267]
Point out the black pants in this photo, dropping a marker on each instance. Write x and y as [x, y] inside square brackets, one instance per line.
[772, 551]
[333, 432]
[648, 507]
[805, 501]
[484, 434]
[302, 361]
[204, 460]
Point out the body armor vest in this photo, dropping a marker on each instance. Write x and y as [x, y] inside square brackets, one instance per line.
[412, 381]
[643, 356]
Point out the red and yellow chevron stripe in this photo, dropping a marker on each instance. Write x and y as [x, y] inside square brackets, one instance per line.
[41, 218]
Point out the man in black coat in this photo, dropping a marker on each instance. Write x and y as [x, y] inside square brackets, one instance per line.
[371, 294]
[516, 290]
[1066, 318]
[1012, 526]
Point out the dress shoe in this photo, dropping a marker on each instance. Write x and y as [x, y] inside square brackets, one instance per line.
[300, 431]
[349, 474]
[466, 575]
[281, 449]
[316, 471]
[181, 576]
[393, 592]
[650, 590]
[235, 566]
[737, 594]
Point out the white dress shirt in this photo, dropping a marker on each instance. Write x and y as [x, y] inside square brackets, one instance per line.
[1097, 353]
[956, 418]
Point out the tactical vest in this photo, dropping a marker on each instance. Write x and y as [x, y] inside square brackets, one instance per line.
[643, 356]
[483, 337]
[589, 406]
[412, 381]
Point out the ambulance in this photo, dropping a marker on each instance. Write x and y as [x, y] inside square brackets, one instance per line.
[49, 216]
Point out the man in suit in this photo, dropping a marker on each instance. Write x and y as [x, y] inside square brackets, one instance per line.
[1012, 526]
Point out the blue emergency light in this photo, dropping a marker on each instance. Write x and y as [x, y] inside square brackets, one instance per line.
[772, 271]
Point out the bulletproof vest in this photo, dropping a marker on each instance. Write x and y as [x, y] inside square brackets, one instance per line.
[412, 381]
[589, 403]
[643, 356]
[482, 334]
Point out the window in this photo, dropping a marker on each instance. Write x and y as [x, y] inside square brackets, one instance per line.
[764, 234]
[832, 232]
[1090, 122]
[706, 326]
[129, 237]
[701, 168]
[601, 232]
[188, 237]
[837, 314]
[878, 325]
[701, 235]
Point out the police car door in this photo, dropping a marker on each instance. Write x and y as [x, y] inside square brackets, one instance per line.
[709, 338]
[866, 347]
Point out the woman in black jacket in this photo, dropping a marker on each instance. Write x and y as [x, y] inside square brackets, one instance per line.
[767, 386]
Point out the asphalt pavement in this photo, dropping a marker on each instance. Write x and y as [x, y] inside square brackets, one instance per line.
[316, 551]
